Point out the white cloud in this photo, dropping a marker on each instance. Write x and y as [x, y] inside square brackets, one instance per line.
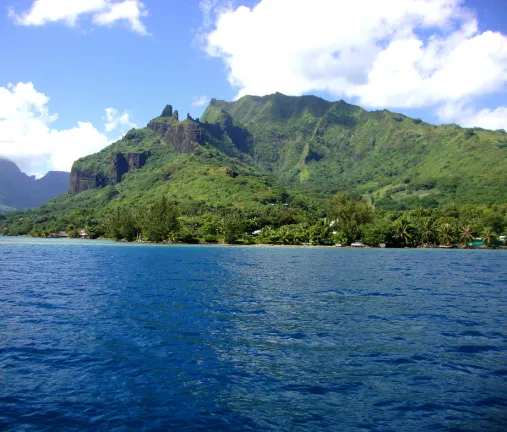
[102, 12]
[199, 101]
[27, 137]
[469, 117]
[115, 120]
[391, 53]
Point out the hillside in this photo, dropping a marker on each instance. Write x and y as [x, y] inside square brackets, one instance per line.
[328, 146]
[278, 160]
[19, 191]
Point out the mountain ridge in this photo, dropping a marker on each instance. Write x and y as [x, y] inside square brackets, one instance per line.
[258, 150]
[19, 191]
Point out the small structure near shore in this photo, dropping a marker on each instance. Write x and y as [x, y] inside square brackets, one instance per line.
[61, 234]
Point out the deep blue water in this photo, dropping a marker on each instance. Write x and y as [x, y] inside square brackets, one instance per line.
[107, 337]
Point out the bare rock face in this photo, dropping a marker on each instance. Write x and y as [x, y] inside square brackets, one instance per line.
[119, 166]
[136, 160]
[185, 136]
[81, 180]
[231, 173]
[168, 111]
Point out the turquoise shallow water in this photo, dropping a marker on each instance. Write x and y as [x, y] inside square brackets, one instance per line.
[105, 336]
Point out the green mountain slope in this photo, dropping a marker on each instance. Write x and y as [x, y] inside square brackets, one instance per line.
[291, 152]
[327, 146]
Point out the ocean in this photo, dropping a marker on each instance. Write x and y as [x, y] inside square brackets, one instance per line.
[104, 336]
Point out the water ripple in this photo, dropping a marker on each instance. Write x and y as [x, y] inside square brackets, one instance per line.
[104, 336]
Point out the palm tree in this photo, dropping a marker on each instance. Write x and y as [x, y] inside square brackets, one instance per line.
[403, 231]
[446, 233]
[489, 236]
[465, 234]
[427, 231]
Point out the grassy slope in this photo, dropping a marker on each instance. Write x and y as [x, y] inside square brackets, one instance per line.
[311, 143]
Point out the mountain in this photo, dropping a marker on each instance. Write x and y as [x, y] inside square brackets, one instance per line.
[262, 150]
[19, 191]
[328, 146]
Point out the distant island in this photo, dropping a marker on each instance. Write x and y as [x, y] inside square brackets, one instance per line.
[286, 170]
[19, 191]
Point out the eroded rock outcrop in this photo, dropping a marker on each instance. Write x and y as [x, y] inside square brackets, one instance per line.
[136, 160]
[231, 172]
[185, 136]
[119, 167]
[83, 179]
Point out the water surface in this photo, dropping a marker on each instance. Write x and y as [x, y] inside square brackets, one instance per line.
[106, 336]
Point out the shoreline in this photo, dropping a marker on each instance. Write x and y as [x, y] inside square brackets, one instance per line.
[302, 246]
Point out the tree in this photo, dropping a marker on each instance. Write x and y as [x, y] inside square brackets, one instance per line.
[160, 221]
[403, 231]
[94, 230]
[465, 234]
[268, 235]
[73, 233]
[427, 230]
[121, 225]
[231, 227]
[321, 233]
[349, 215]
[377, 232]
[446, 233]
[489, 236]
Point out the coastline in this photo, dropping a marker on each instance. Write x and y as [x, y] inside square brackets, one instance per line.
[60, 240]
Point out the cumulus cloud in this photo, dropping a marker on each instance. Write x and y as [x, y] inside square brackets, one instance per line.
[102, 12]
[199, 101]
[391, 53]
[470, 117]
[117, 120]
[28, 138]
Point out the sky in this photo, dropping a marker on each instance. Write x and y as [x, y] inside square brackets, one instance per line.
[76, 75]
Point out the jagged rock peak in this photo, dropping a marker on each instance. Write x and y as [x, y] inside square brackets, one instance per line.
[176, 115]
[168, 111]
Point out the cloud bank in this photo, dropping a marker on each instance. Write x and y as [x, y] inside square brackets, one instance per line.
[27, 138]
[102, 12]
[391, 53]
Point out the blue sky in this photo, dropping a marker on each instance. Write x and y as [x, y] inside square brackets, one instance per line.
[133, 57]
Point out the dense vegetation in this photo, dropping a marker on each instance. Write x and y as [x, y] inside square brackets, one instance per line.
[293, 170]
[395, 161]
[292, 221]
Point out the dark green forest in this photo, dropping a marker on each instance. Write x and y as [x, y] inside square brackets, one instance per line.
[290, 221]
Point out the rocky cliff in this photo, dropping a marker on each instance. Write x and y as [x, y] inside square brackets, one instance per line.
[119, 165]
[185, 136]
[81, 180]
